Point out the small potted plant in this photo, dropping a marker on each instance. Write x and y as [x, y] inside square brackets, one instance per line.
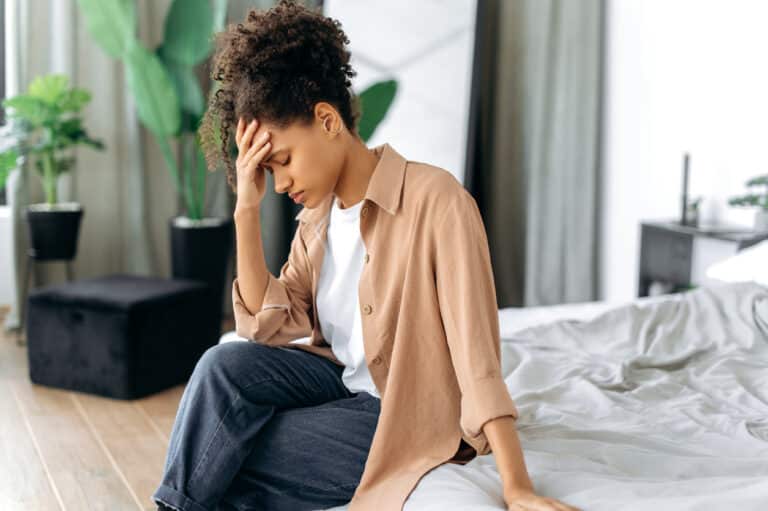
[46, 126]
[757, 199]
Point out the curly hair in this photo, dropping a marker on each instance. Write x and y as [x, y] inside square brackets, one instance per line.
[275, 67]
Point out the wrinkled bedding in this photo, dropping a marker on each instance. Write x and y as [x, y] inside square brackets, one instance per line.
[652, 405]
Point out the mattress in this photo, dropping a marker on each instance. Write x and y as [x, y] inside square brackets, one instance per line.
[655, 404]
[659, 404]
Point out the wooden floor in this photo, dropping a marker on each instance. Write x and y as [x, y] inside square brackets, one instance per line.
[62, 450]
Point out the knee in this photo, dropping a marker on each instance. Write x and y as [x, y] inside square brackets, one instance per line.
[219, 356]
[223, 359]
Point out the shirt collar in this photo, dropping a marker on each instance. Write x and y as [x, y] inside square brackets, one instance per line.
[384, 187]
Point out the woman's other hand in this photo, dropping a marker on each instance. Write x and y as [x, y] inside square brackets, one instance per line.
[529, 501]
[251, 181]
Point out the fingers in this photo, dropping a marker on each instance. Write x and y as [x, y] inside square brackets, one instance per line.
[541, 504]
[561, 506]
[256, 158]
[239, 131]
[256, 145]
[245, 138]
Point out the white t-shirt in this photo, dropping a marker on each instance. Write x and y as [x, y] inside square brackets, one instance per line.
[337, 299]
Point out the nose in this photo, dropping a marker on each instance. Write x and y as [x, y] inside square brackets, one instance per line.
[281, 185]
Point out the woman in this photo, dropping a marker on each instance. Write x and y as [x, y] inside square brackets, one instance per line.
[388, 291]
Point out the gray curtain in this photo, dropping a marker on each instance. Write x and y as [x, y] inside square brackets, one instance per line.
[533, 160]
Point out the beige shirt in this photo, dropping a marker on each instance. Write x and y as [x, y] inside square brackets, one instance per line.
[430, 321]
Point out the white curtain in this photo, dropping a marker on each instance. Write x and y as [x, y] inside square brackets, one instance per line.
[126, 190]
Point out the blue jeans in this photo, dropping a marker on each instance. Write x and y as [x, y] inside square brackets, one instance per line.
[262, 427]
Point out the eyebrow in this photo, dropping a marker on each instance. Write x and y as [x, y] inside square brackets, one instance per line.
[273, 153]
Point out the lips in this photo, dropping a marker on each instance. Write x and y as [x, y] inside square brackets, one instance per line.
[298, 197]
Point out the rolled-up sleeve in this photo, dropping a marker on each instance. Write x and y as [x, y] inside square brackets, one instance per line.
[285, 312]
[469, 310]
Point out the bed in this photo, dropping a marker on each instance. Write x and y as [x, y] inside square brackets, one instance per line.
[658, 404]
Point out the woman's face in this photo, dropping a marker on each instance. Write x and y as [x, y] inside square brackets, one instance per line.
[305, 158]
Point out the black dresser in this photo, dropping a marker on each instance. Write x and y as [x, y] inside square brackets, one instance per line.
[676, 256]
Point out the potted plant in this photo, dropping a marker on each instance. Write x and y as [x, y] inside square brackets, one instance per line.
[757, 198]
[45, 124]
[170, 103]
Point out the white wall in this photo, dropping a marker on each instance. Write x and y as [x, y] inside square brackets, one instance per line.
[427, 46]
[682, 75]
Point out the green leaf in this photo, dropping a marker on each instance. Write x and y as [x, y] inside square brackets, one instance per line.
[156, 100]
[219, 14]
[758, 181]
[188, 175]
[93, 143]
[64, 164]
[71, 132]
[186, 83]
[112, 23]
[49, 88]
[29, 108]
[74, 100]
[374, 104]
[188, 27]
[202, 174]
[71, 128]
[8, 162]
[745, 200]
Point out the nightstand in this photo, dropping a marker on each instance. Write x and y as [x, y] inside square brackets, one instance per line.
[677, 256]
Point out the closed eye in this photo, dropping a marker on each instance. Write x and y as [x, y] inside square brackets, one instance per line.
[286, 162]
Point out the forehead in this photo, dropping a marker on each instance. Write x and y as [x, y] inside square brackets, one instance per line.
[289, 134]
[284, 139]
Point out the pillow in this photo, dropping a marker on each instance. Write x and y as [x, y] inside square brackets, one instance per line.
[749, 264]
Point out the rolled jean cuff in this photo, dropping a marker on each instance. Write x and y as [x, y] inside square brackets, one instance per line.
[176, 499]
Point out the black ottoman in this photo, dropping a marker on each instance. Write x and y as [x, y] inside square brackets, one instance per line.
[120, 336]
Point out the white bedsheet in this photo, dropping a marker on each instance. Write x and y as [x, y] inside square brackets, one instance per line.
[513, 319]
[655, 405]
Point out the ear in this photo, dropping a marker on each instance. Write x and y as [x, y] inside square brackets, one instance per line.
[329, 118]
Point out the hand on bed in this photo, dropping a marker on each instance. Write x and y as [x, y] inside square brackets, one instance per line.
[529, 501]
[519, 493]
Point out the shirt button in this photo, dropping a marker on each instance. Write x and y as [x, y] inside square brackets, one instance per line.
[366, 258]
[364, 211]
[377, 360]
[367, 308]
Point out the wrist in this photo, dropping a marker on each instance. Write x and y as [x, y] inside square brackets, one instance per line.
[246, 210]
[518, 490]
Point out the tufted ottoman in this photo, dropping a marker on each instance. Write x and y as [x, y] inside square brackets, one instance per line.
[120, 336]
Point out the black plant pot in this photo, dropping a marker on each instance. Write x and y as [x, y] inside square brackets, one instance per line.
[200, 250]
[54, 230]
